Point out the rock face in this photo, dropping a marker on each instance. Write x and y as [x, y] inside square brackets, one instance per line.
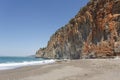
[93, 32]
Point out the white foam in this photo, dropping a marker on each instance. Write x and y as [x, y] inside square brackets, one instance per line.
[6, 66]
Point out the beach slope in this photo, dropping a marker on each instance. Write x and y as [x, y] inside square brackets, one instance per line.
[97, 69]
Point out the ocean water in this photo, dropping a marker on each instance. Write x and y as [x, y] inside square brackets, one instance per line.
[16, 62]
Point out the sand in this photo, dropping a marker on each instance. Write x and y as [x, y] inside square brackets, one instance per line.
[87, 69]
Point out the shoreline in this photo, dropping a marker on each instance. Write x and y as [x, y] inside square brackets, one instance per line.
[84, 69]
[14, 65]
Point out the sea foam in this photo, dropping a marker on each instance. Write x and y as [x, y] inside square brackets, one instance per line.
[14, 65]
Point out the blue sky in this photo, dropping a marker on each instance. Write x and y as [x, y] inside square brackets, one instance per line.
[26, 25]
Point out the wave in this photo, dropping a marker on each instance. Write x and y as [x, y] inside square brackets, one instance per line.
[14, 65]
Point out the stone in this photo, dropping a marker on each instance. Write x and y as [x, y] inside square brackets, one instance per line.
[92, 33]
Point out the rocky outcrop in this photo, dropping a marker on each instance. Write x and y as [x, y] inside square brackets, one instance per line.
[93, 32]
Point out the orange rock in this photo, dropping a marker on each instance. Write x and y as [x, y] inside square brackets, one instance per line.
[95, 29]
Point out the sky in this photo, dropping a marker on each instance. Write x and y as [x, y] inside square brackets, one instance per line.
[26, 25]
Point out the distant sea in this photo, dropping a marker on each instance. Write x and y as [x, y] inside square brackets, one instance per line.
[17, 62]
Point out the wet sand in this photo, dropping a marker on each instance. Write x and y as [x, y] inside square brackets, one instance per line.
[89, 69]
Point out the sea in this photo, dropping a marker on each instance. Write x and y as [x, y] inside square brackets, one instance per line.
[7, 62]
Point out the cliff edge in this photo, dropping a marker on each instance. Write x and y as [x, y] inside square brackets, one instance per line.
[93, 33]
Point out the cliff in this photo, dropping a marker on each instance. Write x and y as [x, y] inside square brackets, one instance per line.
[94, 32]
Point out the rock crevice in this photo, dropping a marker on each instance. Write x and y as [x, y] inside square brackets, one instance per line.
[93, 32]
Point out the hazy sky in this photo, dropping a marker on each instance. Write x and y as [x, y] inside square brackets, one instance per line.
[26, 25]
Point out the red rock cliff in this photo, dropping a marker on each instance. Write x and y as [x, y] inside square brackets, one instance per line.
[93, 32]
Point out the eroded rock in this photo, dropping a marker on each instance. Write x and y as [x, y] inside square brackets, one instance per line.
[93, 32]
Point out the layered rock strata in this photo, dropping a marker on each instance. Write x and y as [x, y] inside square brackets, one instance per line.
[93, 33]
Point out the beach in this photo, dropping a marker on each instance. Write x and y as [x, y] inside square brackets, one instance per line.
[85, 69]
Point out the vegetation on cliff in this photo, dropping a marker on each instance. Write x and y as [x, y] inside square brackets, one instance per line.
[93, 32]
